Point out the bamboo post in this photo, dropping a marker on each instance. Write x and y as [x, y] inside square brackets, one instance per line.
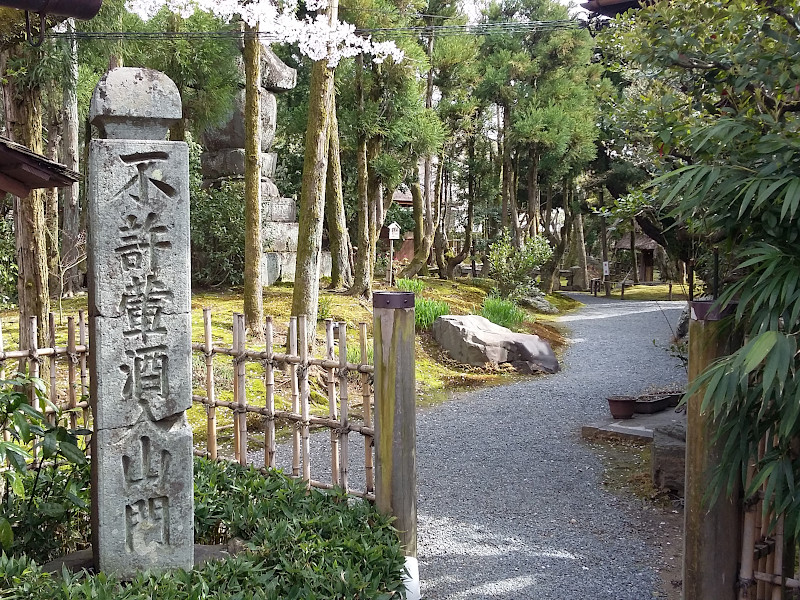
[344, 410]
[211, 410]
[395, 421]
[33, 358]
[746, 580]
[777, 568]
[302, 336]
[269, 391]
[6, 434]
[711, 531]
[72, 360]
[84, 374]
[761, 562]
[236, 391]
[295, 397]
[242, 387]
[333, 413]
[366, 399]
[51, 361]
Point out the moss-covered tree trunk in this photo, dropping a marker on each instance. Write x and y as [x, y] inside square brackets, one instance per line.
[305, 296]
[362, 282]
[467, 245]
[253, 289]
[71, 220]
[634, 260]
[534, 201]
[508, 168]
[23, 118]
[581, 279]
[341, 269]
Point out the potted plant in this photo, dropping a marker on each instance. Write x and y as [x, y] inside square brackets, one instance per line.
[622, 407]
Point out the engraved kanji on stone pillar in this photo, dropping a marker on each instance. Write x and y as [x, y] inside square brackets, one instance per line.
[140, 325]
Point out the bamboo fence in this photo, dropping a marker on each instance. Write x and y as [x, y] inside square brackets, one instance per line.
[768, 563]
[290, 371]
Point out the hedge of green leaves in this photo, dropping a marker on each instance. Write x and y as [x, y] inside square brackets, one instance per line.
[299, 544]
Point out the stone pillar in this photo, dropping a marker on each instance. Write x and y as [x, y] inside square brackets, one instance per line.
[140, 327]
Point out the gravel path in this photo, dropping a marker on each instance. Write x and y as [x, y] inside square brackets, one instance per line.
[510, 502]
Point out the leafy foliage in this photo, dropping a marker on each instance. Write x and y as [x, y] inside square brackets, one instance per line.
[427, 311]
[38, 505]
[415, 286]
[299, 544]
[503, 312]
[8, 264]
[734, 176]
[217, 229]
[513, 269]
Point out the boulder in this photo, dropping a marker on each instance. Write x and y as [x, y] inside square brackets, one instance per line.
[475, 340]
[669, 457]
[540, 304]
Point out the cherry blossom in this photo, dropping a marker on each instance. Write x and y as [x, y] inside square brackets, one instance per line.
[315, 36]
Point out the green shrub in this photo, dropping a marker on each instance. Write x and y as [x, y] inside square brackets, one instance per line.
[427, 311]
[410, 285]
[8, 264]
[217, 229]
[312, 545]
[503, 312]
[513, 268]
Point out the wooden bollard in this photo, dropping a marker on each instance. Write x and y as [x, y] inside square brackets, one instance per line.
[395, 420]
[711, 531]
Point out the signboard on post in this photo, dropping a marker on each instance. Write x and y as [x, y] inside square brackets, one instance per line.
[394, 231]
[606, 269]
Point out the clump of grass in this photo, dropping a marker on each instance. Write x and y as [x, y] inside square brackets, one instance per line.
[324, 308]
[410, 285]
[354, 353]
[503, 312]
[427, 311]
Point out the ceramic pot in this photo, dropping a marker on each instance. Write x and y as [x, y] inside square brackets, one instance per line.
[622, 407]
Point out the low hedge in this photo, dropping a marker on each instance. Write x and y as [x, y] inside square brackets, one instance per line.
[299, 544]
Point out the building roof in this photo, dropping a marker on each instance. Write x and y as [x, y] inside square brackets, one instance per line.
[643, 242]
[22, 170]
[612, 8]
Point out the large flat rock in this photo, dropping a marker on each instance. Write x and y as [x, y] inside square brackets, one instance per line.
[476, 341]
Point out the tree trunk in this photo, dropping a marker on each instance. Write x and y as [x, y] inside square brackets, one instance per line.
[253, 289]
[534, 200]
[417, 208]
[558, 239]
[374, 194]
[440, 244]
[51, 203]
[634, 261]
[23, 118]
[341, 270]
[581, 278]
[420, 257]
[508, 168]
[467, 245]
[305, 295]
[70, 251]
[362, 283]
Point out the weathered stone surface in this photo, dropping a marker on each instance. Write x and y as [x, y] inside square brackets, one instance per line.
[280, 266]
[134, 103]
[279, 237]
[539, 304]
[276, 75]
[281, 210]
[144, 521]
[475, 340]
[232, 135]
[230, 163]
[669, 457]
[140, 327]
[682, 328]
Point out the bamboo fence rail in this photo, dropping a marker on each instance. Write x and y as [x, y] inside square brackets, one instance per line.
[284, 376]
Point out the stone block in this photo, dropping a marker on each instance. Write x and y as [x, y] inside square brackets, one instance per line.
[139, 378]
[276, 75]
[230, 163]
[279, 237]
[138, 227]
[135, 103]
[231, 133]
[669, 457]
[144, 500]
[281, 210]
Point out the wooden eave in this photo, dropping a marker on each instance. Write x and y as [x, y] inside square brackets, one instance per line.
[612, 8]
[22, 170]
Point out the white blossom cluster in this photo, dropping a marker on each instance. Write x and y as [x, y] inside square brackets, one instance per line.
[316, 37]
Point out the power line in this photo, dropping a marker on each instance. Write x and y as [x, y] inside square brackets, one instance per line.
[472, 29]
